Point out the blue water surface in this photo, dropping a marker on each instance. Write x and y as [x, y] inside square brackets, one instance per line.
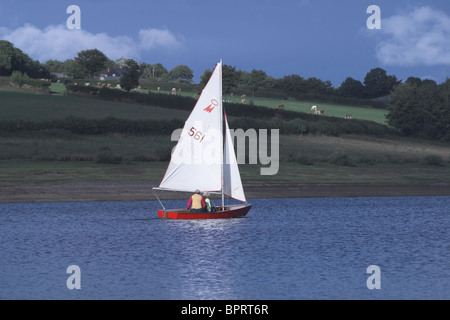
[284, 249]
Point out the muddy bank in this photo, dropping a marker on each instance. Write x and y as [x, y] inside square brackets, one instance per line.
[140, 191]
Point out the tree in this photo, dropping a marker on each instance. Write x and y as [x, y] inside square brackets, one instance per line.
[7, 56]
[159, 70]
[254, 79]
[414, 81]
[91, 62]
[204, 78]
[351, 88]
[156, 70]
[443, 110]
[290, 85]
[230, 78]
[181, 72]
[13, 59]
[378, 84]
[54, 66]
[130, 78]
[316, 86]
[73, 69]
[421, 110]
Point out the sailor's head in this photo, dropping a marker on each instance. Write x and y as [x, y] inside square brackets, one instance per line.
[197, 191]
[206, 194]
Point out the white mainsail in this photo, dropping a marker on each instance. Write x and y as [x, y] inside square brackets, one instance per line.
[199, 160]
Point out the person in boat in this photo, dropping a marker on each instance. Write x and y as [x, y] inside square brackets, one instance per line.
[196, 203]
[209, 208]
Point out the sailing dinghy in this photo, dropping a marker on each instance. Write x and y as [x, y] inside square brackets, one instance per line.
[204, 158]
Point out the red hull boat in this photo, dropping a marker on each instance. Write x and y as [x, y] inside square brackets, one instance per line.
[232, 211]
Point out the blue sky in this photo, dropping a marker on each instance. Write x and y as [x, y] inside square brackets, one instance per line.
[328, 39]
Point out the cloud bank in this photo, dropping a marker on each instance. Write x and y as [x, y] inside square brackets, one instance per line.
[418, 38]
[58, 42]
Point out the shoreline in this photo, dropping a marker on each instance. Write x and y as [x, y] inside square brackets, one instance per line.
[142, 191]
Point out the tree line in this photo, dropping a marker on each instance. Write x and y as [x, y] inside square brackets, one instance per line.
[377, 83]
[89, 64]
[416, 108]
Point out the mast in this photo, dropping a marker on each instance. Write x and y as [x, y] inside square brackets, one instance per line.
[221, 130]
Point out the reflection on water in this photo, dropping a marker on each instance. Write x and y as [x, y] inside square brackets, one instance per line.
[205, 264]
[283, 249]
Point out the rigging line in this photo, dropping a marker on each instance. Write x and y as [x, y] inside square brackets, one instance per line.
[154, 192]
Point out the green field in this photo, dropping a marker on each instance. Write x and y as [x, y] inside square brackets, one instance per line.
[333, 110]
[22, 105]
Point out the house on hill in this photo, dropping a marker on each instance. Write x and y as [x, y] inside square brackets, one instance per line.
[113, 74]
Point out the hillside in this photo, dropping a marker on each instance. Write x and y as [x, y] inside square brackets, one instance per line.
[48, 155]
[37, 119]
[330, 109]
[21, 105]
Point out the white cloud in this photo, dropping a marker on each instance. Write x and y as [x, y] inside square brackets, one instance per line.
[158, 38]
[58, 42]
[418, 38]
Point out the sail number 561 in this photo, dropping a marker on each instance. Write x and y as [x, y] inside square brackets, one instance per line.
[196, 134]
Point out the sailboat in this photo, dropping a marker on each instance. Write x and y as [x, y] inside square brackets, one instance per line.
[204, 158]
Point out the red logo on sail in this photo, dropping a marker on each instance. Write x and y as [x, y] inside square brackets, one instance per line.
[211, 107]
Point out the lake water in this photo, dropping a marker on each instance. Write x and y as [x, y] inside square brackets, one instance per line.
[284, 249]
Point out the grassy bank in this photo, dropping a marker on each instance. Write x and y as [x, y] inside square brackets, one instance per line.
[43, 181]
[125, 167]
[302, 149]
[26, 172]
[362, 149]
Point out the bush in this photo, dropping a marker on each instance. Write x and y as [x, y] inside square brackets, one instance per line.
[18, 77]
[433, 160]
[81, 89]
[304, 160]
[21, 79]
[92, 126]
[296, 126]
[341, 159]
[105, 155]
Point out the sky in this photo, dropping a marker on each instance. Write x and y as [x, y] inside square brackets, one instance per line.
[327, 39]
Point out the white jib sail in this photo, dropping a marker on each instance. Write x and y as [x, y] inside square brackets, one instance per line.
[232, 184]
[196, 161]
